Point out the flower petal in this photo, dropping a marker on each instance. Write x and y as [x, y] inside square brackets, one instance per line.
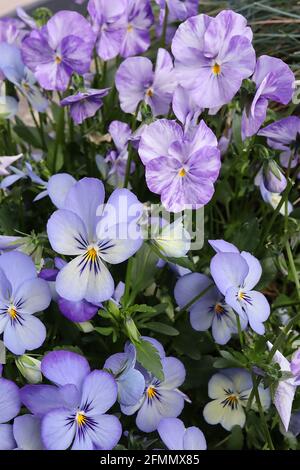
[27, 334]
[7, 441]
[40, 399]
[57, 430]
[67, 233]
[217, 384]
[10, 402]
[255, 270]
[100, 391]
[171, 432]
[174, 372]
[27, 432]
[189, 286]
[131, 387]
[17, 267]
[58, 188]
[34, 296]
[119, 242]
[65, 367]
[228, 270]
[194, 439]
[105, 434]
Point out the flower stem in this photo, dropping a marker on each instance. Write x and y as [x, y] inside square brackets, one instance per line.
[238, 322]
[293, 267]
[262, 414]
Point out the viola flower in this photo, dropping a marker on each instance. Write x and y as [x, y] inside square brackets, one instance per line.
[230, 391]
[178, 9]
[181, 167]
[113, 166]
[21, 295]
[161, 399]
[235, 275]
[210, 310]
[63, 46]
[85, 104]
[6, 162]
[274, 81]
[27, 433]
[185, 108]
[14, 70]
[285, 390]
[93, 234]
[10, 405]
[295, 366]
[284, 135]
[136, 32]
[273, 178]
[213, 56]
[11, 30]
[73, 410]
[136, 81]
[131, 382]
[109, 20]
[176, 437]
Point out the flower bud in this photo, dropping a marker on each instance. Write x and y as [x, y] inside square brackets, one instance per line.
[85, 327]
[132, 330]
[30, 368]
[273, 178]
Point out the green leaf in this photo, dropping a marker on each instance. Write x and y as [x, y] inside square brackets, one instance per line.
[162, 328]
[236, 439]
[29, 134]
[143, 308]
[149, 358]
[105, 331]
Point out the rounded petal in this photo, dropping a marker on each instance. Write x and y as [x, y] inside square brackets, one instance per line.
[119, 242]
[10, 402]
[221, 246]
[67, 233]
[189, 286]
[58, 431]
[104, 435]
[174, 372]
[228, 270]
[27, 432]
[194, 439]
[65, 367]
[257, 311]
[34, 296]
[17, 267]
[202, 314]
[7, 441]
[169, 405]
[217, 384]
[255, 270]
[171, 432]
[122, 207]
[131, 387]
[241, 379]
[58, 188]
[80, 311]
[222, 329]
[40, 399]
[214, 413]
[100, 391]
[29, 333]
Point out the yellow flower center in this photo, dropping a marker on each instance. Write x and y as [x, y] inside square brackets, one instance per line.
[241, 295]
[12, 312]
[129, 28]
[81, 419]
[219, 309]
[92, 254]
[151, 393]
[150, 92]
[182, 172]
[58, 60]
[216, 69]
[232, 400]
[26, 87]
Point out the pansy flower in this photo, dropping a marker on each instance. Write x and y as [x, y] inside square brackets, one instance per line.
[63, 46]
[161, 398]
[130, 381]
[213, 56]
[284, 135]
[14, 70]
[73, 410]
[27, 433]
[177, 10]
[230, 390]
[185, 108]
[109, 19]
[210, 310]
[22, 295]
[84, 104]
[180, 166]
[176, 436]
[93, 234]
[136, 81]
[271, 198]
[10, 405]
[274, 81]
[236, 274]
[136, 33]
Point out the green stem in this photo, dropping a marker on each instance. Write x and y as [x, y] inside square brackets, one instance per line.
[37, 125]
[262, 414]
[238, 322]
[283, 336]
[293, 267]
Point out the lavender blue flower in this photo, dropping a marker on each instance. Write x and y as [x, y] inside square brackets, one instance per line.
[136, 33]
[136, 81]
[94, 234]
[161, 399]
[73, 411]
[180, 166]
[84, 104]
[176, 437]
[130, 381]
[21, 295]
[230, 390]
[63, 46]
[271, 198]
[27, 433]
[210, 310]
[235, 275]
[213, 56]
[10, 405]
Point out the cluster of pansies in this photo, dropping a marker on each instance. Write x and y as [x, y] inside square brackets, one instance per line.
[108, 333]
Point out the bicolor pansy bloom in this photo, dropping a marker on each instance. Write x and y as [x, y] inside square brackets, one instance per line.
[93, 233]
